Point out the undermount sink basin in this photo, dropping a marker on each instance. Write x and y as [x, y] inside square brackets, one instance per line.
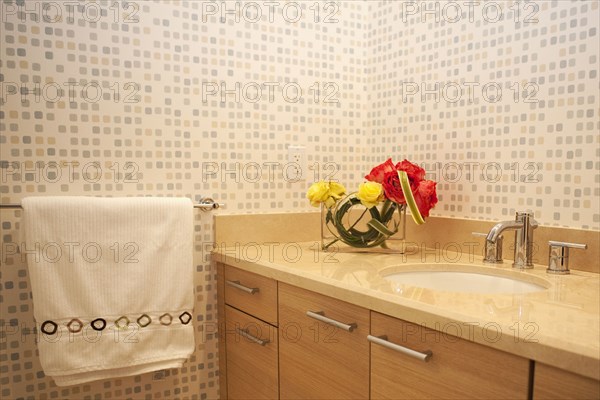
[457, 280]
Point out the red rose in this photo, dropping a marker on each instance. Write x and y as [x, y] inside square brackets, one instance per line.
[422, 190]
[377, 174]
[415, 173]
[425, 197]
[392, 188]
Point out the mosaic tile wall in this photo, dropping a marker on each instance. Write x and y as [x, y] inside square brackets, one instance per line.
[177, 98]
[498, 100]
[195, 98]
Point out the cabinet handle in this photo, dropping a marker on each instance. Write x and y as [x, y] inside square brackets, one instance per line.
[320, 316]
[248, 336]
[237, 285]
[382, 341]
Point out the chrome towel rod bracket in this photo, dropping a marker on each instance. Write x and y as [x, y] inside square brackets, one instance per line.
[204, 204]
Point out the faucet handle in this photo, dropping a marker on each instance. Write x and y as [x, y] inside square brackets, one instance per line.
[558, 257]
[493, 251]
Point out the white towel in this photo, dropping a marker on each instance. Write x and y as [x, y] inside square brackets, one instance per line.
[113, 260]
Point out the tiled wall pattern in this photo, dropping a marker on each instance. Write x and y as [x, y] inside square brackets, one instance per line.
[499, 100]
[167, 98]
[191, 98]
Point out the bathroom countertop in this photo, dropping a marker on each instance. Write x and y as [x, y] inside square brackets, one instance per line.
[559, 326]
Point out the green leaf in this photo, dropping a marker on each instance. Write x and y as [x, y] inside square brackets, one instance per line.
[379, 227]
[410, 200]
[329, 217]
[376, 234]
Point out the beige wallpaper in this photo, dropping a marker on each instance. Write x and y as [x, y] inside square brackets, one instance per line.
[498, 100]
[200, 98]
[168, 98]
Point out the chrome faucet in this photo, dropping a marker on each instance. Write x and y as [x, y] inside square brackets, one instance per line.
[523, 225]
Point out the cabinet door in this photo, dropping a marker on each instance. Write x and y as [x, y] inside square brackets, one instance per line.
[553, 383]
[456, 369]
[251, 293]
[318, 360]
[221, 331]
[251, 347]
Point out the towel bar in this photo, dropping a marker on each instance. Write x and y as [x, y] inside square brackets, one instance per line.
[204, 204]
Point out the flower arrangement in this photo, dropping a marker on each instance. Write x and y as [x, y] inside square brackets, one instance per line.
[389, 189]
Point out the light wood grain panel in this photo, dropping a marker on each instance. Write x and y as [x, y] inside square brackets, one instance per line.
[262, 305]
[252, 369]
[221, 330]
[458, 369]
[553, 383]
[318, 361]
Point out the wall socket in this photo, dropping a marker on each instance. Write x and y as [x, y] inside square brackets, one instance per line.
[297, 168]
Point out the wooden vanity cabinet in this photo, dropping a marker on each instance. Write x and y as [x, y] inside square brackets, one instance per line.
[456, 369]
[316, 359]
[281, 341]
[554, 383]
[248, 338]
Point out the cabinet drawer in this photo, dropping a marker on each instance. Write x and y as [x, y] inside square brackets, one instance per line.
[252, 363]
[553, 383]
[318, 360]
[457, 369]
[251, 293]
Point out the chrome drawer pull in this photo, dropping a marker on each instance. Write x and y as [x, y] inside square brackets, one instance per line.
[248, 336]
[382, 341]
[237, 285]
[320, 315]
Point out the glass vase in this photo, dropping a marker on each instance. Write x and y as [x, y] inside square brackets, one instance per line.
[349, 226]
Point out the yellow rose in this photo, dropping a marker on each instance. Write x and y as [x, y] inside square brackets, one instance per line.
[318, 193]
[323, 192]
[370, 194]
[336, 190]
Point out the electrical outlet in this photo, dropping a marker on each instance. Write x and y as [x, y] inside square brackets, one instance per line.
[296, 170]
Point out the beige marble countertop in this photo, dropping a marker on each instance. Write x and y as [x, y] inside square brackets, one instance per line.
[559, 325]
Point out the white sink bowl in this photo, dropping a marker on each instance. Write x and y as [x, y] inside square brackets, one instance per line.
[482, 281]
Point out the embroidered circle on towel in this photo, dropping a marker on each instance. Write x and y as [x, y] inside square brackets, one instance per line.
[167, 320]
[95, 326]
[122, 325]
[185, 315]
[147, 318]
[78, 325]
[52, 324]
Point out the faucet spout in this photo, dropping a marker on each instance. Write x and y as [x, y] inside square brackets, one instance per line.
[523, 225]
[500, 227]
